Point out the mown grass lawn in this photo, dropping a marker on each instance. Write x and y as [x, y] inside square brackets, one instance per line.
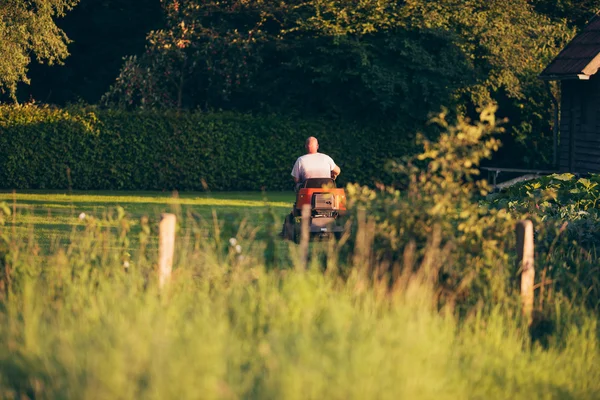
[55, 214]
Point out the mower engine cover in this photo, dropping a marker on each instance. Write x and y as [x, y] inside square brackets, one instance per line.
[326, 199]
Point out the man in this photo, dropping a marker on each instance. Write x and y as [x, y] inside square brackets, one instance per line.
[313, 164]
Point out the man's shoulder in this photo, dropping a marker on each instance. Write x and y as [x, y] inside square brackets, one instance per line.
[316, 155]
[326, 157]
[304, 157]
[313, 157]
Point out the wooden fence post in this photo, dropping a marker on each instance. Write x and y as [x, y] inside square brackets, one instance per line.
[166, 248]
[360, 251]
[304, 236]
[525, 263]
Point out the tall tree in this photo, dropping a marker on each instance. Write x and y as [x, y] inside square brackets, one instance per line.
[210, 49]
[27, 28]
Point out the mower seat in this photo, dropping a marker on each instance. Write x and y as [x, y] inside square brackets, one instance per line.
[317, 183]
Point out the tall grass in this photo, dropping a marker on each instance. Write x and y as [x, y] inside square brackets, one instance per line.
[89, 322]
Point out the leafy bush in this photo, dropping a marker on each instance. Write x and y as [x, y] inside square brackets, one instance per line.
[87, 148]
[436, 222]
[557, 195]
[440, 223]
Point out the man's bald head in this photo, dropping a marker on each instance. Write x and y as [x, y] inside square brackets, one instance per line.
[312, 145]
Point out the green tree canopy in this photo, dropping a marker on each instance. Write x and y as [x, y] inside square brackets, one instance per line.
[576, 12]
[376, 52]
[27, 29]
[381, 60]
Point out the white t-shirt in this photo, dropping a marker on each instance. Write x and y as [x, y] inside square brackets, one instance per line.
[316, 165]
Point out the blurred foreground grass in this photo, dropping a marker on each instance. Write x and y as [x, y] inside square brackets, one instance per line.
[87, 321]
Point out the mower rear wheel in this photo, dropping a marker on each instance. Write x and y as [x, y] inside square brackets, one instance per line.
[289, 230]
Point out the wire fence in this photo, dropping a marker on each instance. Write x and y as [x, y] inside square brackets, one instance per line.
[53, 224]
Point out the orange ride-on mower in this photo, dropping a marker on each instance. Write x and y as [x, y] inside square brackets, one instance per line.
[327, 210]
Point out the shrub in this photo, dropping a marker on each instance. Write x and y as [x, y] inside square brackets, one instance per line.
[443, 223]
[436, 222]
[88, 148]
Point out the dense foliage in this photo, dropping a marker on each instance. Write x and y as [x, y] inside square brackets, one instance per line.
[79, 148]
[367, 60]
[384, 55]
[575, 12]
[27, 28]
[557, 195]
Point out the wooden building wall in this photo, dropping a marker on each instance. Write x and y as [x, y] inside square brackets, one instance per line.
[579, 140]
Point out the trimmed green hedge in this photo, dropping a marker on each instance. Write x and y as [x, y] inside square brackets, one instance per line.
[92, 149]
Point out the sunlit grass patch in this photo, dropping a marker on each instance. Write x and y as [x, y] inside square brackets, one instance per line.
[223, 199]
[56, 214]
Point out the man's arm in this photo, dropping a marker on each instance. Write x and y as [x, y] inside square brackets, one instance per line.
[335, 172]
[296, 171]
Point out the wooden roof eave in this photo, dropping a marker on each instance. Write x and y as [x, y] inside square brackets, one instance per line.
[593, 66]
[590, 69]
[566, 77]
